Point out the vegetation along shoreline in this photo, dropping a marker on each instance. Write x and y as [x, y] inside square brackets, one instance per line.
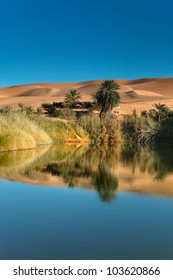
[97, 122]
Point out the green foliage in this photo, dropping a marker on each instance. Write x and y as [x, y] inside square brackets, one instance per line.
[6, 110]
[153, 127]
[91, 124]
[67, 114]
[18, 131]
[161, 107]
[80, 131]
[160, 113]
[150, 128]
[144, 113]
[158, 162]
[110, 134]
[50, 109]
[95, 105]
[165, 132]
[102, 132]
[84, 162]
[107, 96]
[11, 139]
[39, 111]
[28, 110]
[59, 130]
[105, 183]
[138, 130]
[71, 98]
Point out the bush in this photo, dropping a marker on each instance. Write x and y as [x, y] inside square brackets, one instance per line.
[102, 132]
[6, 110]
[110, 131]
[28, 110]
[39, 111]
[50, 109]
[91, 124]
[139, 130]
[67, 114]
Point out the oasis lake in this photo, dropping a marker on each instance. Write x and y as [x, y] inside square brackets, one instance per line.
[74, 202]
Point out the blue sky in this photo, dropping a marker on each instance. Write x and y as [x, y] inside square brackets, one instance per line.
[77, 40]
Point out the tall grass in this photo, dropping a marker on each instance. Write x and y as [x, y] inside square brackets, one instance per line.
[61, 131]
[20, 130]
[139, 130]
[11, 139]
[17, 131]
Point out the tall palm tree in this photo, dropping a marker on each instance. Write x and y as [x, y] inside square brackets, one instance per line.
[107, 96]
[71, 98]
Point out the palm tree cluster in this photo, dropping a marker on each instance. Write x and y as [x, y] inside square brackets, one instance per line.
[159, 113]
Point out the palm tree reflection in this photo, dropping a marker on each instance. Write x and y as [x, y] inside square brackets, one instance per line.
[95, 165]
[105, 183]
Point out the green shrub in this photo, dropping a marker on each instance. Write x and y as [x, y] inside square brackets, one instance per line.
[91, 124]
[102, 132]
[50, 109]
[39, 111]
[67, 114]
[139, 130]
[6, 110]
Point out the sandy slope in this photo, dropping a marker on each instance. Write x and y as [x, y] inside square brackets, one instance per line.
[140, 94]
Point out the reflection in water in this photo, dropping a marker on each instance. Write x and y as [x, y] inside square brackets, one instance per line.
[48, 223]
[158, 162]
[90, 164]
[104, 171]
[20, 162]
[105, 183]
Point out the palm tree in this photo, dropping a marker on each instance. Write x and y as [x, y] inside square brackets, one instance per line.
[161, 107]
[71, 98]
[144, 113]
[162, 111]
[107, 96]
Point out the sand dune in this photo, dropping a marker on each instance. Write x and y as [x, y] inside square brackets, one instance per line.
[140, 94]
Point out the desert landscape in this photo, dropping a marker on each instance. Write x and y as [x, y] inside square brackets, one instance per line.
[138, 94]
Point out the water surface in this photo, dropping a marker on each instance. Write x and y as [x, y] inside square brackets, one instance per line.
[72, 202]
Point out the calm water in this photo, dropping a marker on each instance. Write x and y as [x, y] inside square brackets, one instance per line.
[74, 203]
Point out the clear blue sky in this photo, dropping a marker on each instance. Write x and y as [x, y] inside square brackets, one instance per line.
[77, 40]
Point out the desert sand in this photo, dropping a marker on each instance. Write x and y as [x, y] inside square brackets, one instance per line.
[138, 94]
